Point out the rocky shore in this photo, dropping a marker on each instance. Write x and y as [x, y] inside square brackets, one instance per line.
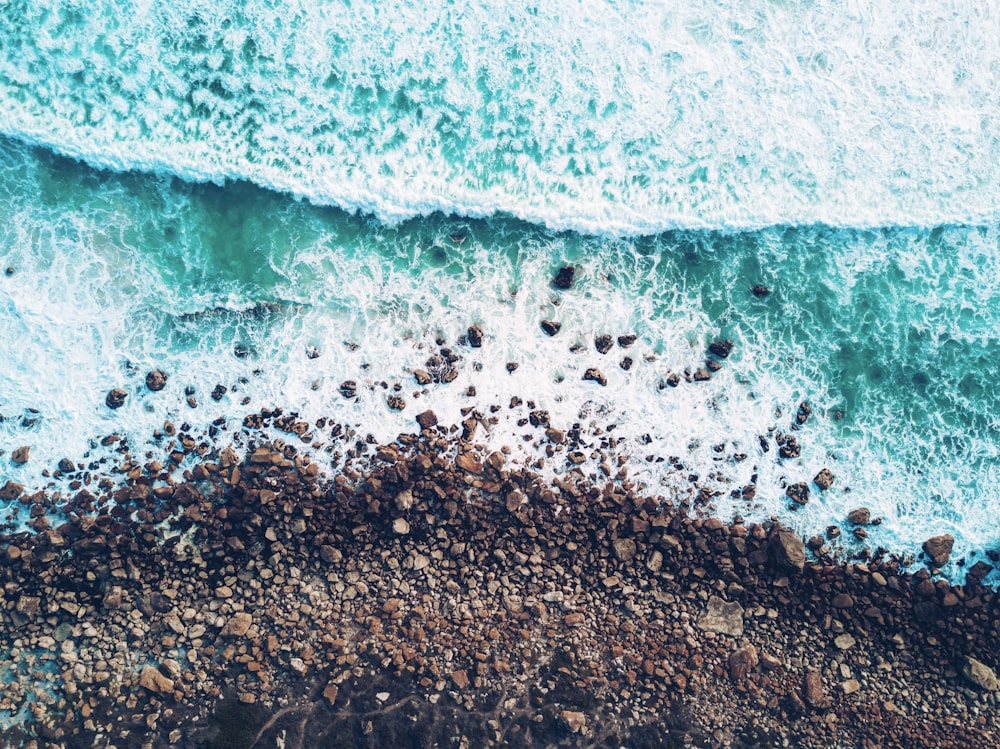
[430, 592]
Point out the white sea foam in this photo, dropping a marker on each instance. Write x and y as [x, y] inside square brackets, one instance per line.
[609, 118]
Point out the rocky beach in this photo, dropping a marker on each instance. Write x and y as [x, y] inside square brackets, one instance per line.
[292, 584]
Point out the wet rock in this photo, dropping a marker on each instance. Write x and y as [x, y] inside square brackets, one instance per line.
[11, 490]
[154, 681]
[349, 388]
[798, 493]
[512, 367]
[702, 375]
[980, 674]
[788, 446]
[66, 466]
[673, 379]
[938, 548]
[603, 343]
[422, 377]
[722, 616]
[427, 419]
[802, 415]
[539, 418]
[395, 402]
[474, 335]
[115, 398]
[564, 278]
[626, 363]
[156, 380]
[595, 375]
[860, 516]
[759, 291]
[20, 455]
[742, 662]
[815, 691]
[788, 550]
[721, 348]
[550, 327]
[218, 391]
[824, 479]
[626, 340]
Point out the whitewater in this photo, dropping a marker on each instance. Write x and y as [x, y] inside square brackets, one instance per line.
[224, 190]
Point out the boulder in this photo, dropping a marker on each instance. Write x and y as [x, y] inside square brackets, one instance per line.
[627, 340]
[575, 721]
[115, 398]
[427, 419]
[474, 335]
[938, 548]
[150, 678]
[237, 625]
[798, 493]
[156, 380]
[860, 516]
[824, 479]
[624, 549]
[721, 348]
[788, 550]
[595, 375]
[564, 278]
[20, 454]
[723, 617]
[815, 691]
[742, 662]
[603, 343]
[550, 327]
[980, 674]
[11, 490]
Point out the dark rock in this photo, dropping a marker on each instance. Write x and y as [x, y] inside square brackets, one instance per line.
[312, 352]
[349, 388]
[427, 419]
[802, 415]
[702, 375]
[539, 418]
[11, 490]
[20, 454]
[626, 363]
[788, 549]
[760, 291]
[626, 340]
[815, 692]
[218, 391]
[860, 516]
[116, 398]
[842, 601]
[798, 493]
[595, 375]
[550, 327]
[824, 479]
[603, 343]
[742, 662]
[156, 380]
[673, 379]
[712, 365]
[938, 548]
[833, 532]
[66, 466]
[720, 348]
[788, 446]
[564, 278]
[474, 335]
[395, 402]
[422, 377]
[512, 367]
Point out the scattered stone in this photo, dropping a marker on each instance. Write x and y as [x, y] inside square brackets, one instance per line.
[539, 418]
[20, 455]
[721, 348]
[237, 625]
[798, 493]
[218, 391]
[595, 375]
[349, 389]
[30, 606]
[474, 335]
[723, 617]
[603, 343]
[673, 379]
[844, 642]
[461, 678]
[11, 490]
[156, 380]
[330, 692]
[842, 601]
[788, 549]
[550, 327]
[803, 413]
[815, 692]
[742, 662]
[151, 679]
[66, 466]
[824, 479]
[624, 549]
[860, 516]
[422, 377]
[702, 375]
[395, 402]
[576, 722]
[980, 674]
[626, 363]
[427, 419]
[564, 278]
[938, 548]
[512, 367]
[116, 398]
[850, 686]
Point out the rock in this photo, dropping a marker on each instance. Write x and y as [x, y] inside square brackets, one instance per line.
[20, 455]
[788, 446]
[564, 278]
[626, 340]
[474, 335]
[980, 674]
[722, 616]
[603, 343]
[803, 413]
[595, 375]
[702, 375]
[330, 692]
[673, 379]
[788, 549]
[156, 380]
[427, 419]
[11, 490]
[66, 466]
[112, 598]
[349, 388]
[842, 601]
[860, 516]
[771, 662]
[550, 327]
[850, 686]
[759, 291]
[624, 549]
[815, 692]
[742, 662]
[330, 554]
[422, 377]
[844, 641]
[154, 681]
[395, 402]
[798, 493]
[467, 462]
[539, 418]
[576, 722]
[401, 527]
[721, 348]
[29, 605]
[237, 625]
[938, 548]
[824, 479]
[404, 500]
[461, 678]
[116, 398]
[626, 363]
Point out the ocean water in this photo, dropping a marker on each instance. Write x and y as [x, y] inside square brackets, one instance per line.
[224, 190]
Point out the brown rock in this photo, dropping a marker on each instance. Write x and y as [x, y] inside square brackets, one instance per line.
[427, 419]
[349, 389]
[798, 493]
[938, 548]
[576, 722]
[788, 549]
[722, 616]
[721, 348]
[551, 327]
[11, 490]
[595, 375]
[395, 402]
[116, 398]
[20, 454]
[815, 692]
[564, 278]
[603, 343]
[29, 605]
[474, 335]
[627, 340]
[742, 662]
[824, 479]
[467, 462]
[422, 377]
[980, 674]
[330, 693]
[860, 516]
[702, 375]
[154, 681]
[842, 601]
[156, 380]
[624, 549]
[237, 625]
[461, 678]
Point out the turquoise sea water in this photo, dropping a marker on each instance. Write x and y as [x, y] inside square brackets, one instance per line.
[179, 181]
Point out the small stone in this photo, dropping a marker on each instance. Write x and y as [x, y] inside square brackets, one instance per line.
[824, 479]
[550, 327]
[422, 377]
[702, 375]
[626, 340]
[348, 388]
[400, 526]
[151, 679]
[722, 616]
[11, 490]
[721, 348]
[156, 380]
[595, 375]
[742, 662]
[850, 686]
[395, 402]
[20, 455]
[427, 419]
[842, 601]
[603, 343]
[66, 466]
[845, 641]
[461, 678]
[468, 462]
[938, 548]
[474, 335]
[404, 500]
[116, 398]
[237, 625]
[564, 278]
[980, 674]
[860, 516]
[815, 692]
[624, 549]
[330, 693]
[576, 722]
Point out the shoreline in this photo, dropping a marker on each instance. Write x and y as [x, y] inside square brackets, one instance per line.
[431, 578]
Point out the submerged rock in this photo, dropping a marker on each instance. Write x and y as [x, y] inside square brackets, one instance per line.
[564, 278]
